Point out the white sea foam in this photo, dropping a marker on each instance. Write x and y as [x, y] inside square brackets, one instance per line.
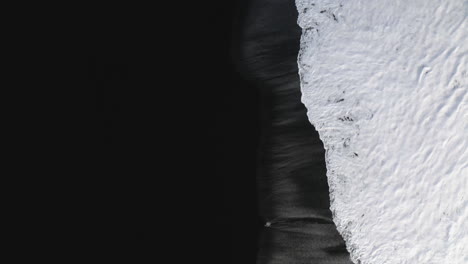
[385, 85]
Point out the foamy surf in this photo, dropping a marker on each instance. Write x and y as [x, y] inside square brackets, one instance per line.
[385, 86]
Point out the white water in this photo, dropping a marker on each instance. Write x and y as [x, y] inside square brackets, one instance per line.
[385, 85]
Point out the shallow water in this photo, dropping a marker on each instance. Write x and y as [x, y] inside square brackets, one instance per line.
[293, 195]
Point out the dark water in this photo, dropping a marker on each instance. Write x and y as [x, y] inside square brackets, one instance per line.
[185, 147]
[293, 190]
